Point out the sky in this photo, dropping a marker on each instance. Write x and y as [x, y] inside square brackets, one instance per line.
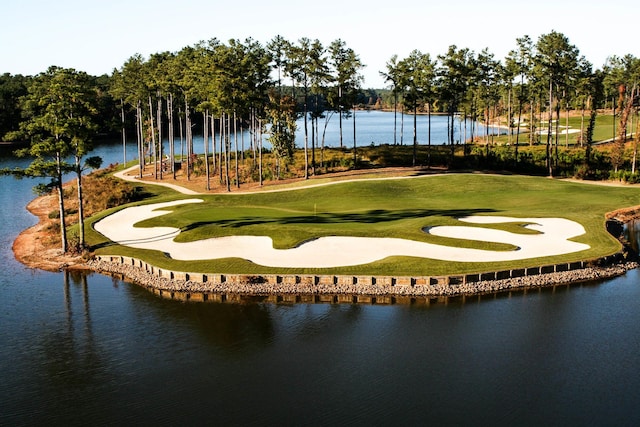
[99, 36]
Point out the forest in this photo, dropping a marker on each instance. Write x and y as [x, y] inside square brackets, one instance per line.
[222, 90]
[216, 88]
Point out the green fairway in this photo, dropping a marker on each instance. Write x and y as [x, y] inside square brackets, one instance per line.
[605, 126]
[386, 208]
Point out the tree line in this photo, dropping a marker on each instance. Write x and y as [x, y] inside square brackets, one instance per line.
[226, 88]
[536, 81]
[246, 84]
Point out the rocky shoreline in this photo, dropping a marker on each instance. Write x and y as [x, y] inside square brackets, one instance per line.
[143, 278]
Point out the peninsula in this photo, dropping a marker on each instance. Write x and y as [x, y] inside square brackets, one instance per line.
[578, 242]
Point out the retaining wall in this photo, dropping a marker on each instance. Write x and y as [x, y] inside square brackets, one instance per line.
[361, 281]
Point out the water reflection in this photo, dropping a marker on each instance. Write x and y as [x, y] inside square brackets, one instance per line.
[631, 232]
[199, 298]
[117, 353]
[81, 349]
[225, 327]
[71, 355]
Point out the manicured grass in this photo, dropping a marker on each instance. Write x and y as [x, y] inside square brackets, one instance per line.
[386, 208]
[603, 130]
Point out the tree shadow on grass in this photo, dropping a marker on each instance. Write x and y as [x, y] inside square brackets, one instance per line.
[370, 217]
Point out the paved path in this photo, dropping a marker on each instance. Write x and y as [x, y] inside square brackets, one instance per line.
[133, 178]
[123, 175]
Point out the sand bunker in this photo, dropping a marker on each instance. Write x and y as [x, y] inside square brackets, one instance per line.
[338, 251]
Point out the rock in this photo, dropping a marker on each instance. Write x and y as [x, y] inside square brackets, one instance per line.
[253, 287]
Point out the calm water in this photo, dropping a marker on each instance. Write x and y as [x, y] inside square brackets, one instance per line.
[90, 350]
[372, 127]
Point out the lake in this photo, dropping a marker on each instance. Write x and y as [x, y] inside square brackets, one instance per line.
[372, 127]
[93, 350]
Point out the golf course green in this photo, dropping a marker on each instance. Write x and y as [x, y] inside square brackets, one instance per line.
[383, 208]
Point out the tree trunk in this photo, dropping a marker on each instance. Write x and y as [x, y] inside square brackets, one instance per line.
[355, 149]
[213, 143]
[340, 114]
[486, 130]
[223, 133]
[613, 102]
[159, 126]
[625, 106]
[582, 136]
[324, 133]
[402, 127]
[227, 154]
[187, 131]
[235, 143]
[206, 148]
[306, 139]
[63, 222]
[415, 134]
[451, 135]
[140, 138]
[172, 154]
[260, 152]
[242, 143]
[124, 134]
[254, 132]
[465, 146]
[153, 140]
[549, 160]
[429, 136]
[314, 120]
[181, 137]
[557, 135]
[509, 118]
[519, 123]
[80, 204]
[486, 126]
[395, 115]
[566, 139]
[474, 119]
[636, 139]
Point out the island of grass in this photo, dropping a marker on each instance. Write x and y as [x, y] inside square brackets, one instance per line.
[382, 208]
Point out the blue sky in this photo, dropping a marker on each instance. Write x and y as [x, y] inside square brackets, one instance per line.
[98, 36]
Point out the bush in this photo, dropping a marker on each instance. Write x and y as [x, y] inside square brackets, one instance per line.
[625, 176]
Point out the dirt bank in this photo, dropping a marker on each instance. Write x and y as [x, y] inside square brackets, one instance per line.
[35, 247]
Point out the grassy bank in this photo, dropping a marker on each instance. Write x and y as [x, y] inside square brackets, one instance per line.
[384, 208]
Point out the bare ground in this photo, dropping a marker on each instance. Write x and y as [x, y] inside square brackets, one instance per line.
[36, 246]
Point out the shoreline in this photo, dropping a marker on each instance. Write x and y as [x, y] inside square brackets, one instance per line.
[30, 248]
[203, 291]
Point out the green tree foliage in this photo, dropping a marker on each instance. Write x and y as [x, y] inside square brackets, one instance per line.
[59, 110]
[392, 75]
[12, 88]
[454, 74]
[281, 118]
[557, 63]
[518, 64]
[226, 85]
[416, 77]
[345, 69]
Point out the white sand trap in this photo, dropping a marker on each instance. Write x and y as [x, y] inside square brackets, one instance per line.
[337, 251]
